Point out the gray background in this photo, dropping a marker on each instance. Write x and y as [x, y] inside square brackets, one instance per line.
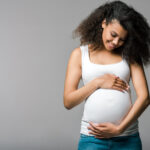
[35, 45]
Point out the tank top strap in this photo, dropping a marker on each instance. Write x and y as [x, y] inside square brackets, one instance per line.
[84, 53]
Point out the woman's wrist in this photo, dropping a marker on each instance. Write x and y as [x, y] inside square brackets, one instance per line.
[120, 129]
[98, 82]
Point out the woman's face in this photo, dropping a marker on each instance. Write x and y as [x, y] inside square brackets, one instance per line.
[113, 35]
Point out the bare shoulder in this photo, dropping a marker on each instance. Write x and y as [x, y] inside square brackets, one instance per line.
[135, 67]
[73, 73]
[76, 56]
[77, 50]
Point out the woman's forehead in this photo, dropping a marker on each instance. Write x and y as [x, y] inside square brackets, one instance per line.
[117, 27]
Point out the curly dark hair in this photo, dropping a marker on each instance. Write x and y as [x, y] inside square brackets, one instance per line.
[136, 46]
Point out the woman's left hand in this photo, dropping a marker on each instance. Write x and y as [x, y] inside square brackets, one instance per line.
[104, 130]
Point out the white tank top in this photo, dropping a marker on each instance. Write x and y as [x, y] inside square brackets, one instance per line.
[105, 105]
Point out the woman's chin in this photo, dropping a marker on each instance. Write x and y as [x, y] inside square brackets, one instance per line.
[109, 49]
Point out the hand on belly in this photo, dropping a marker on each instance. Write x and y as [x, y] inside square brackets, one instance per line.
[103, 130]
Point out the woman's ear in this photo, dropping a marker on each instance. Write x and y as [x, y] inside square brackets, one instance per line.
[104, 23]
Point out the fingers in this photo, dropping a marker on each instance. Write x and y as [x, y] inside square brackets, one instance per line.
[99, 131]
[122, 87]
[118, 80]
[118, 88]
[94, 129]
[119, 84]
[96, 133]
[102, 125]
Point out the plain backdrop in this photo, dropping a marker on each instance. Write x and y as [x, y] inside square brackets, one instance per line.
[35, 45]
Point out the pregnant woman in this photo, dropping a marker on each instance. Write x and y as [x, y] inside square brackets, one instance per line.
[114, 46]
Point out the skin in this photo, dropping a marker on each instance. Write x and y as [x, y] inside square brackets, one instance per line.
[74, 96]
[113, 35]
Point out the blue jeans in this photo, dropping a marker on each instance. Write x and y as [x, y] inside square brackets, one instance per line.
[131, 142]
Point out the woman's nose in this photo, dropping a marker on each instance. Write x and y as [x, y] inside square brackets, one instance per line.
[115, 41]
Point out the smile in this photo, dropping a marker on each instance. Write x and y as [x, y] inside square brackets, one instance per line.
[111, 45]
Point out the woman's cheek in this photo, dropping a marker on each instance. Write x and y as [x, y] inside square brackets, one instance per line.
[109, 38]
[121, 44]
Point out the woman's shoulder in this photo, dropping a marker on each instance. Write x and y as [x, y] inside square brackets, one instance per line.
[135, 65]
[76, 53]
[75, 56]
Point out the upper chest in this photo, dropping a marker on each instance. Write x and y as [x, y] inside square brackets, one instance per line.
[101, 57]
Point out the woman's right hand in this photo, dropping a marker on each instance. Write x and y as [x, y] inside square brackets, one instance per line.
[110, 81]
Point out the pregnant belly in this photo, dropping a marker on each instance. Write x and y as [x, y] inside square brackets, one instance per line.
[107, 105]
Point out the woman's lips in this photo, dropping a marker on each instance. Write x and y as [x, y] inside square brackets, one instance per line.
[111, 45]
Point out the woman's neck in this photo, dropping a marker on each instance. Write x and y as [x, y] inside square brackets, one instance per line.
[102, 49]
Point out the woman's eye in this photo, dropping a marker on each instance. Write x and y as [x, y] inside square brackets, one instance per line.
[113, 35]
[122, 40]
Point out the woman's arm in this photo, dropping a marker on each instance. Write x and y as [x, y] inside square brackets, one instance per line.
[142, 93]
[107, 130]
[72, 95]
